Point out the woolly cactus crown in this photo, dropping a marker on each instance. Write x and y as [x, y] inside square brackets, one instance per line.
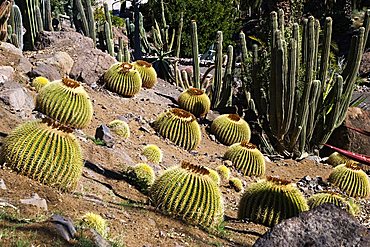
[189, 193]
[270, 201]
[180, 127]
[230, 129]
[147, 73]
[67, 102]
[195, 101]
[123, 79]
[44, 151]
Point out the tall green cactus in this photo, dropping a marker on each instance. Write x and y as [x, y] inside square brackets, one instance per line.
[17, 25]
[27, 8]
[194, 41]
[48, 26]
[91, 21]
[81, 13]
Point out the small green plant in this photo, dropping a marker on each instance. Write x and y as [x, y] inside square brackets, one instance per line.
[120, 127]
[153, 153]
[195, 101]
[224, 172]
[39, 82]
[147, 73]
[236, 184]
[96, 222]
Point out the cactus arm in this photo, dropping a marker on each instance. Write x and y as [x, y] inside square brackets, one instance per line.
[178, 38]
[108, 40]
[315, 91]
[227, 92]
[40, 25]
[47, 16]
[325, 52]
[243, 44]
[108, 18]
[366, 26]
[120, 50]
[304, 41]
[17, 25]
[91, 21]
[281, 23]
[172, 40]
[316, 52]
[217, 80]
[81, 11]
[194, 39]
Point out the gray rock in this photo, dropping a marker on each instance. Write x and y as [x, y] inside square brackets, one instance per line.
[2, 184]
[323, 226]
[64, 226]
[12, 56]
[35, 200]
[6, 74]
[18, 100]
[103, 133]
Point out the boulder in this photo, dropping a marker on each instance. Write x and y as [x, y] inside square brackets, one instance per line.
[12, 56]
[103, 133]
[323, 226]
[19, 101]
[7, 74]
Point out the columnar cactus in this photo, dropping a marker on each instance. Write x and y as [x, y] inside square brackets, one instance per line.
[330, 197]
[123, 79]
[153, 153]
[120, 127]
[270, 201]
[147, 73]
[44, 151]
[67, 102]
[230, 129]
[246, 158]
[187, 192]
[16, 22]
[195, 101]
[27, 8]
[180, 127]
[351, 180]
[39, 82]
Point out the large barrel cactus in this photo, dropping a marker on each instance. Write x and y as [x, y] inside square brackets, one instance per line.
[44, 151]
[147, 73]
[123, 79]
[67, 102]
[180, 127]
[230, 129]
[330, 197]
[270, 201]
[351, 180]
[246, 158]
[195, 101]
[187, 192]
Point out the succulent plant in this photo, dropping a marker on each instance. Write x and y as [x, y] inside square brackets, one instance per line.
[180, 127]
[189, 193]
[44, 151]
[224, 172]
[195, 101]
[96, 222]
[336, 159]
[330, 197]
[120, 127]
[236, 184]
[246, 158]
[67, 102]
[147, 72]
[153, 153]
[270, 201]
[230, 129]
[123, 79]
[142, 175]
[351, 180]
[39, 82]
[214, 175]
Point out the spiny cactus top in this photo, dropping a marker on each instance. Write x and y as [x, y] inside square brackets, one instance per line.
[236, 183]
[270, 201]
[123, 79]
[67, 102]
[246, 158]
[120, 127]
[230, 129]
[153, 153]
[147, 72]
[180, 127]
[44, 151]
[39, 82]
[330, 197]
[224, 172]
[188, 192]
[195, 101]
[96, 222]
[351, 180]
[336, 159]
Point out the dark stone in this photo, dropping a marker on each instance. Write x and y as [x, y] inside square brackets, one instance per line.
[103, 133]
[323, 226]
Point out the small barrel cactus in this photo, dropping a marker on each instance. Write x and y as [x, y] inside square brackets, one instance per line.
[195, 101]
[123, 79]
[153, 153]
[147, 73]
[351, 180]
[214, 175]
[330, 197]
[336, 159]
[67, 102]
[96, 222]
[224, 172]
[120, 128]
[246, 158]
[44, 151]
[180, 127]
[270, 201]
[230, 129]
[188, 192]
[142, 175]
[236, 184]
[39, 82]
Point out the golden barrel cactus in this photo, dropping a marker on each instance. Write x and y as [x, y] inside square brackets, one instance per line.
[270, 201]
[39, 82]
[96, 222]
[230, 129]
[236, 184]
[246, 158]
[147, 73]
[195, 101]
[123, 78]
[67, 102]
[153, 153]
[336, 159]
[120, 128]
[224, 172]
[187, 192]
[180, 127]
[44, 151]
[330, 197]
[351, 180]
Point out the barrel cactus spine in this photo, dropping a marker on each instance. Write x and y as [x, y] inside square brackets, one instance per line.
[147, 73]
[197, 201]
[195, 101]
[120, 128]
[153, 153]
[180, 127]
[39, 82]
[67, 102]
[123, 78]
[230, 129]
[45, 151]
[330, 197]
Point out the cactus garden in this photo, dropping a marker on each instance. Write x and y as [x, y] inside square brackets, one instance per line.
[182, 123]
